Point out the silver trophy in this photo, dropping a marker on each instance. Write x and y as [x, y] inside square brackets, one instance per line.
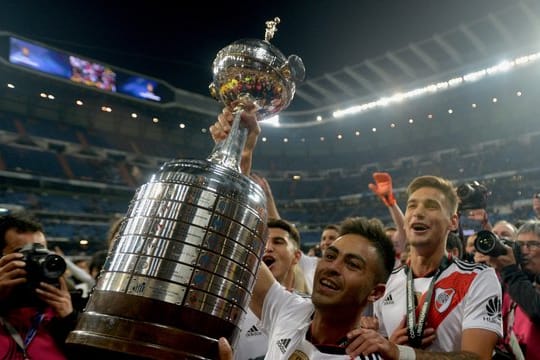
[183, 266]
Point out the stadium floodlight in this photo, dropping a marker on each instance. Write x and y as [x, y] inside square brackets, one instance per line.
[384, 101]
[274, 120]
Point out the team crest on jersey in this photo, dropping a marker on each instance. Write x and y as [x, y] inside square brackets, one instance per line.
[443, 299]
[299, 355]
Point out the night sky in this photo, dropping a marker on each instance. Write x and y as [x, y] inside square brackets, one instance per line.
[178, 45]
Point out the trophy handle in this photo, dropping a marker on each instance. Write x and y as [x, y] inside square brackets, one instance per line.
[228, 152]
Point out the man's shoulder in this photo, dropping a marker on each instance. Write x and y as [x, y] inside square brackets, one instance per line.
[397, 273]
[468, 267]
[468, 277]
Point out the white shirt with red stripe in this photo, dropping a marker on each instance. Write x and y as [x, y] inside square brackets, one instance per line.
[465, 296]
[286, 318]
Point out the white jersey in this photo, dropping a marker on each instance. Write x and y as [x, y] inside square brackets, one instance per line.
[465, 296]
[308, 264]
[252, 342]
[286, 318]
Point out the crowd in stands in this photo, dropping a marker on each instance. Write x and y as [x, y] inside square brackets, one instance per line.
[325, 194]
[358, 296]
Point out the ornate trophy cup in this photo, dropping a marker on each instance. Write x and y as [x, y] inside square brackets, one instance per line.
[183, 266]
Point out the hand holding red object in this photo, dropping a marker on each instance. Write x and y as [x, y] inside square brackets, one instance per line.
[383, 188]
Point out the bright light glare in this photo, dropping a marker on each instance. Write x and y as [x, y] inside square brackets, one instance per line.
[503, 66]
[274, 121]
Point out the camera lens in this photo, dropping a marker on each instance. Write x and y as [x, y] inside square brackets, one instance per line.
[489, 244]
[53, 267]
[464, 190]
[485, 241]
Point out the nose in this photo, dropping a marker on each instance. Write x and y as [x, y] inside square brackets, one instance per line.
[418, 211]
[334, 267]
[525, 250]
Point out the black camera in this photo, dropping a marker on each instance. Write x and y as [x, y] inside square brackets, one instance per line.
[472, 195]
[41, 265]
[490, 244]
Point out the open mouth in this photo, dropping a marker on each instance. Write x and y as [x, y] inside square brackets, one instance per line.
[268, 260]
[419, 227]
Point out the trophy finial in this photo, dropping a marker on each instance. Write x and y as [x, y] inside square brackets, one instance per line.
[271, 28]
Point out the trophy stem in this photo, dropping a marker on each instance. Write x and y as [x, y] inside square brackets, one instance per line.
[229, 152]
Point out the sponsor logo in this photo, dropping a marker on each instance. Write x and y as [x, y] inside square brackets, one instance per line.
[388, 300]
[443, 299]
[493, 309]
[253, 331]
[283, 344]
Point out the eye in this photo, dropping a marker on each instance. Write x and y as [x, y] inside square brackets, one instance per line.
[329, 255]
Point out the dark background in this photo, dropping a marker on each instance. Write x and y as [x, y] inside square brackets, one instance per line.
[177, 41]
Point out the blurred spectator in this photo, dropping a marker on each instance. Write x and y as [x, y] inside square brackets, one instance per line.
[536, 205]
[504, 229]
[83, 264]
[97, 262]
[454, 246]
[469, 248]
[308, 264]
[521, 302]
[40, 313]
[114, 230]
[315, 251]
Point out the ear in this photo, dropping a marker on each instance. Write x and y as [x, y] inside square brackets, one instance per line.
[454, 222]
[297, 256]
[377, 292]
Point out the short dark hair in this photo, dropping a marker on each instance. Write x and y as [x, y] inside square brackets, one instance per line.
[372, 230]
[331, 227]
[453, 241]
[439, 183]
[98, 260]
[287, 226]
[22, 222]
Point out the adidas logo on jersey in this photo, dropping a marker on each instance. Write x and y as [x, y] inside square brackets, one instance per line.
[253, 331]
[283, 344]
[388, 300]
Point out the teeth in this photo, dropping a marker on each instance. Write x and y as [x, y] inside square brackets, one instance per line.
[328, 283]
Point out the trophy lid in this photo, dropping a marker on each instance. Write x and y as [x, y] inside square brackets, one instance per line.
[255, 70]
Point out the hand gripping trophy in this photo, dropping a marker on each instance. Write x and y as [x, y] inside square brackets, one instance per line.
[183, 266]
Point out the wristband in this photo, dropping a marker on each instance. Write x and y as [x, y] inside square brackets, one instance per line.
[406, 353]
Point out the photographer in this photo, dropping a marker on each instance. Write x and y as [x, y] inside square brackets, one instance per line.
[521, 302]
[35, 316]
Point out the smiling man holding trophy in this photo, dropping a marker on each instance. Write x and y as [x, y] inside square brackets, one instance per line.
[183, 266]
